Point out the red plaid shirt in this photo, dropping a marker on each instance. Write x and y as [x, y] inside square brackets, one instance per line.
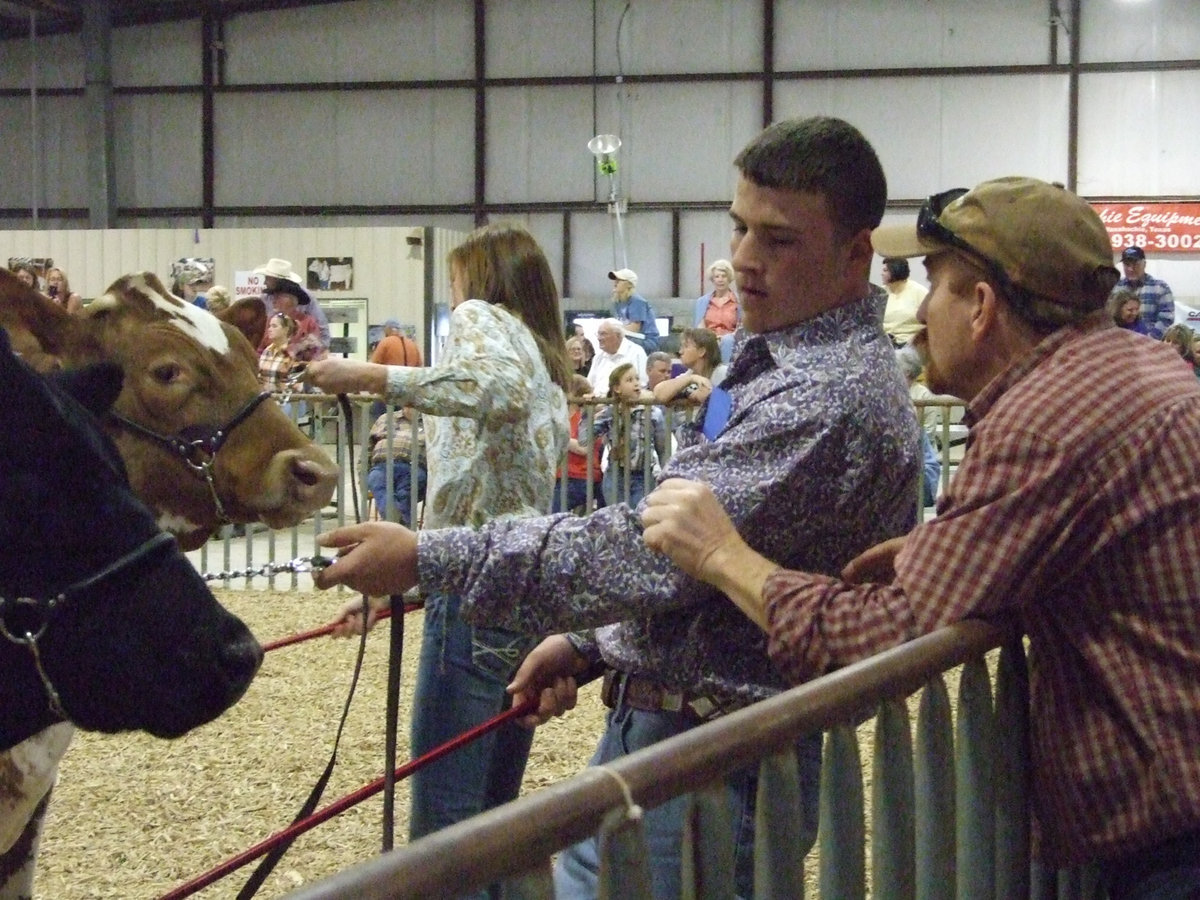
[274, 366]
[1077, 506]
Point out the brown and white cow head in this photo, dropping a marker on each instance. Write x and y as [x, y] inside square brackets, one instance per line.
[186, 372]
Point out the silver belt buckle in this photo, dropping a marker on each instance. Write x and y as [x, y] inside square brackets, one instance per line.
[703, 707]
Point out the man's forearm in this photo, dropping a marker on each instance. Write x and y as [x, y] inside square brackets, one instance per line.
[740, 573]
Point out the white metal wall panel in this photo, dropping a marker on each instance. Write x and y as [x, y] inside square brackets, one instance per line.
[156, 150]
[950, 136]
[865, 34]
[648, 252]
[59, 63]
[1116, 30]
[710, 229]
[655, 37]
[1151, 139]
[537, 145]
[682, 138]
[563, 43]
[364, 41]
[326, 148]
[16, 185]
[547, 230]
[166, 54]
[62, 132]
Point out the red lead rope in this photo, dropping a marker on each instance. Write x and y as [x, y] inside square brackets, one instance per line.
[340, 806]
[384, 613]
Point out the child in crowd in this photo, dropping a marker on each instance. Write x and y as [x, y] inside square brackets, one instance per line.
[624, 426]
[577, 456]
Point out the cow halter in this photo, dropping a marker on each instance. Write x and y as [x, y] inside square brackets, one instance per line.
[199, 452]
[42, 610]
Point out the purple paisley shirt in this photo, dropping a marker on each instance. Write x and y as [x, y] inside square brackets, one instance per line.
[818, 461]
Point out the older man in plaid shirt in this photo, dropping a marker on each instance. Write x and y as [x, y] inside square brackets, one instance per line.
[1074, 508]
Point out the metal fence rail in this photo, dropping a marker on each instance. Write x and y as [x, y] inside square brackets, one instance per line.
[938, 810]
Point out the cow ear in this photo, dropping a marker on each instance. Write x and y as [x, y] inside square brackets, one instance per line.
[95, 387]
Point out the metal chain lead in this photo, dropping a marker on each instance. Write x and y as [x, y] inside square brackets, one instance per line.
[299, 565]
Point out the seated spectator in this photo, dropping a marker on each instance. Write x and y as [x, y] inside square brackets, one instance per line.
[60, 291]
[615, 348]
[577, 458]
[624, 430]
[633, 310]
[402, 465]
[904, 298]
[580, 352]
[1126, 310]
[658, 368]
[701, 354]
[27, 275]
[1183, 340]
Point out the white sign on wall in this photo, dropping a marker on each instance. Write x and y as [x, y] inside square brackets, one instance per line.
[248, 284]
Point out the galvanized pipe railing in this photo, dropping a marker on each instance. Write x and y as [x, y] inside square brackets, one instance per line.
[514, 842]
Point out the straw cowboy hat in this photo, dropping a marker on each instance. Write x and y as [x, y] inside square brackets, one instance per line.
[279, 268]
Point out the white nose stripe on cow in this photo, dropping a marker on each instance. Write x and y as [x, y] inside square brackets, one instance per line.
[200, 324]
[175, 524]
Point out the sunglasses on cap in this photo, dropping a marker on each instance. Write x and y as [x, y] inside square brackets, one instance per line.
[929, 227]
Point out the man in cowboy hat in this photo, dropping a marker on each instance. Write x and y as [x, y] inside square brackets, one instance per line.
[279, 277]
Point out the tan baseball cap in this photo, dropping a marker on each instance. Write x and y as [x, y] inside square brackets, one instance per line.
[1041, 236]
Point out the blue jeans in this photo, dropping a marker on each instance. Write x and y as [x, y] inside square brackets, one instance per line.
[576, 495]
[461, 676]
[401, 487]
[615, 479]
[578, 867]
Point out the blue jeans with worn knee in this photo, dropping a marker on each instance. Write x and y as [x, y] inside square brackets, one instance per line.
[461, 676]
[577, 869]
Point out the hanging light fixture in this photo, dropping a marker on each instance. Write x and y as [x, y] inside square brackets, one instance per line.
[604, 147]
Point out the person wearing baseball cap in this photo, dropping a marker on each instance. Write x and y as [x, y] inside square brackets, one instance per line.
[633, 310]
[1158, 303]
[1072, 512]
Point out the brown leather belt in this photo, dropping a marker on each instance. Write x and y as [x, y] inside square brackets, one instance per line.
[641, 692]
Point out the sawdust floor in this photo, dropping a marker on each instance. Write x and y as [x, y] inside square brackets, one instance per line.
[133, 816]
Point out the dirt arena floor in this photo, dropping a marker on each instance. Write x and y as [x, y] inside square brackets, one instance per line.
[134, 817]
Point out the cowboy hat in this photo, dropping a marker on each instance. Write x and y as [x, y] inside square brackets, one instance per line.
[279, 268]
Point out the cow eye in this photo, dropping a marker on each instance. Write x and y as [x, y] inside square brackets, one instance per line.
[165, 373]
